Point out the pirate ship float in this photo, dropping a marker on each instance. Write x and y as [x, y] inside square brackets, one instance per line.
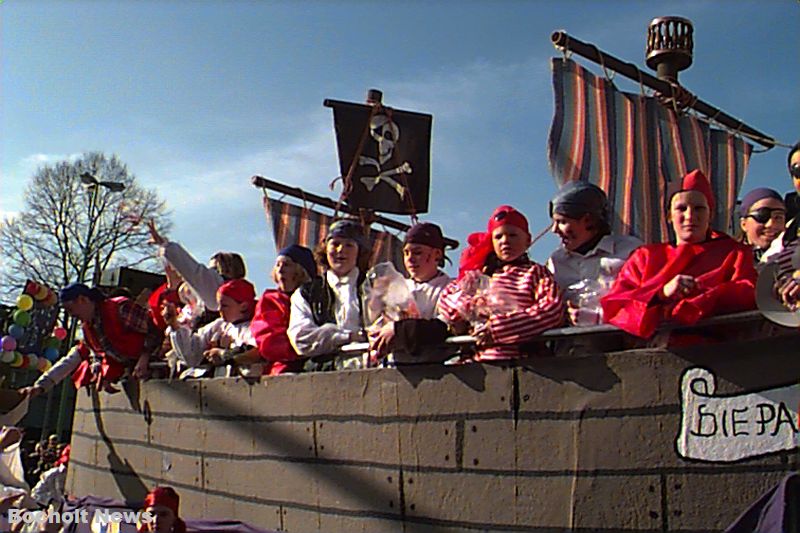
[638, 439]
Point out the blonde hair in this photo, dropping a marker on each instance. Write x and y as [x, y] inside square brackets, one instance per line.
[301, 273]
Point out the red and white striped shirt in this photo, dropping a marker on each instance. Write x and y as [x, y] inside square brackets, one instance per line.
[530, 291]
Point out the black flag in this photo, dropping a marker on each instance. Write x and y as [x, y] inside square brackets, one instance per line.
[392, 173]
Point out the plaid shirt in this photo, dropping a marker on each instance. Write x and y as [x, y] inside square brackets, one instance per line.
[132, 317]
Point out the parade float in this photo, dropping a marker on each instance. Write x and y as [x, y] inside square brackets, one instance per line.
[612, 434]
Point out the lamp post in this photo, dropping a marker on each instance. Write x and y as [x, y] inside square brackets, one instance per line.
[91, 183]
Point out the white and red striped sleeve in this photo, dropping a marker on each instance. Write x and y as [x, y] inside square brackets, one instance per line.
[450, 300]
[539, 303]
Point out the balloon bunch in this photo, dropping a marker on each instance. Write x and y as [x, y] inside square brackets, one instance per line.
[43, 296]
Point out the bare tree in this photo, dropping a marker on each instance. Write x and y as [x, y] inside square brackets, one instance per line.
[77, 219]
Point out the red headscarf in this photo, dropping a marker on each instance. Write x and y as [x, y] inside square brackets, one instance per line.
[479, 245]
[63, 459]
[240, 291]
[165, 497]
[697, 181]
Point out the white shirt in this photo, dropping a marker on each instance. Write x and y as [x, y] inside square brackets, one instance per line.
[203, 280]
[310, 339]
[189, 346]
[426, 293]
[578, 275]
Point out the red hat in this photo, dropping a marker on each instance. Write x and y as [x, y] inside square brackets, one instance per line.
[479, 245]
[239, 289]
[696, 181]
[505, 214]
[163, 497]
[64, 457]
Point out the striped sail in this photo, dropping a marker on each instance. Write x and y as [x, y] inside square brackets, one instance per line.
[633, 147]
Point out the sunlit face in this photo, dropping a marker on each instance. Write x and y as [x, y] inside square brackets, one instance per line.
[230, 310]
[287, 274]
[761, 234]
[510, 242]
[795, 160]
[163, 519]
[81, 308]
[342, 255]
[421, 261]
[690, 216]
[574, 232]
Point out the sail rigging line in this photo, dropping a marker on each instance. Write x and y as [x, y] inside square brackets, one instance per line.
[562, 40]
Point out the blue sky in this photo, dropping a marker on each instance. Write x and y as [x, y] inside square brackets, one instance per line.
[197, 96]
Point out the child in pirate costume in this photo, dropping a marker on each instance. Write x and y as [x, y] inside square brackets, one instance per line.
[532, 299]
[294, 266]
[118, 336]
[223, 341]
[204, 280]
[703, 274]
[590, 257]
[326, 312]
[411, 339]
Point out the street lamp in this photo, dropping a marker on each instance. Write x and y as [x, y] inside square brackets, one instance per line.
[94, 184]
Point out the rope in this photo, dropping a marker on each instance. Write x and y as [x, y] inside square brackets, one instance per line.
[542, 233]
[603, 65]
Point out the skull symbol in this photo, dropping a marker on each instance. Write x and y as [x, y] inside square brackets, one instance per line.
[386, 133]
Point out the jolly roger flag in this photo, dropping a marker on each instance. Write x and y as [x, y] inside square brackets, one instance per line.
[392, 173]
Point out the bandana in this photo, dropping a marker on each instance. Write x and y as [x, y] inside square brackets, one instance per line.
[239, 290]
[479, 245]
[348, 229]
[73, 290]
[163, 497]
[757, 195]
[578, 198]
[695, 181]
[302, 256]
[505, 214]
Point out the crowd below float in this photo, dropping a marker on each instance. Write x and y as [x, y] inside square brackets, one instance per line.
[207, 320]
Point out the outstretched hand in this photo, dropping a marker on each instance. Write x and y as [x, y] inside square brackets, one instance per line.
[155, 236]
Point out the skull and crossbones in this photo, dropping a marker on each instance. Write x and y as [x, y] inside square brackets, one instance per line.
[386, 134]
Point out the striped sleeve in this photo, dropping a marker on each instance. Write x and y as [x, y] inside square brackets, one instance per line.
[449, 303]
[544, 309]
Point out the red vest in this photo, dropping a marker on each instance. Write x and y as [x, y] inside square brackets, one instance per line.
[126, 343]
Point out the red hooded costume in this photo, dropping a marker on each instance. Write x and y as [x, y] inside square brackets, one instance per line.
[722, 268]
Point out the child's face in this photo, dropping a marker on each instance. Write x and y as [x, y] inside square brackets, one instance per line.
[421, 261]
[287, 274]
[230, 310]
[510, 242]
[342, 255]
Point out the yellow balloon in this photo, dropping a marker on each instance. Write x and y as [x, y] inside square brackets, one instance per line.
[24, 302]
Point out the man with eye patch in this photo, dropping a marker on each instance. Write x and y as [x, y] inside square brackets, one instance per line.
[704, 273]
[792, 203]
[762, 218]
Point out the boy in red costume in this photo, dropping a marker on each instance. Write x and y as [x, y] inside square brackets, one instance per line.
[118, 334]
[703, 274]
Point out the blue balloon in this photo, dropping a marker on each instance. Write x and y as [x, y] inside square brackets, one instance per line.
[16, 331]
[51, 354]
